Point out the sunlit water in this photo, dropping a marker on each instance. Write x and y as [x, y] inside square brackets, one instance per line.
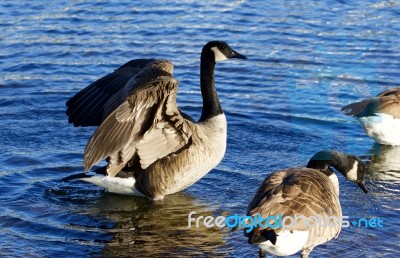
[306, 60]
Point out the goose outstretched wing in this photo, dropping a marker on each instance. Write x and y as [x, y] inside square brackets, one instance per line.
[142, 123]
[147, 124]
[93, 104]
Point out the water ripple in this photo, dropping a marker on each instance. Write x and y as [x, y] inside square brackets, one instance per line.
[306, 60]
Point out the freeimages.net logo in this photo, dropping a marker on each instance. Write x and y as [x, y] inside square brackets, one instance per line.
[279, 221]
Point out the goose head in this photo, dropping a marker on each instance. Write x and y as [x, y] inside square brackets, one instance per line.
[350, 166]
[220, 51]
[354, 169]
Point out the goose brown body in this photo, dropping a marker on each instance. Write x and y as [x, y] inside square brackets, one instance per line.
[310, 197]
[294, 192]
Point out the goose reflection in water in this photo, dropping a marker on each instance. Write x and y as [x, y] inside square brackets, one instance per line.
[146, 228]
[384, 163]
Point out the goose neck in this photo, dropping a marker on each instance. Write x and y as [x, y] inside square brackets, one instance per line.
[324, 160]
[211, 104]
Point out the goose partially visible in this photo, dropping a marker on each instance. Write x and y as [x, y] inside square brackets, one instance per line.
[380, 116]
[152, 148]
[305, 192]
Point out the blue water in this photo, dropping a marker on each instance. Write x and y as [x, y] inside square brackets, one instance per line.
[306, 60]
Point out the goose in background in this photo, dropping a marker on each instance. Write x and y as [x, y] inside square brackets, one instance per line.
[305, 192]
[152, 148]
[380, 116]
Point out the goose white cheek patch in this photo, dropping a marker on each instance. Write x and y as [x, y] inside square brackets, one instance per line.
[218, 54]
[352, 174]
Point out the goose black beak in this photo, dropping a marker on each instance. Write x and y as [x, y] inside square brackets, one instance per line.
[237, 55]
[362, 186]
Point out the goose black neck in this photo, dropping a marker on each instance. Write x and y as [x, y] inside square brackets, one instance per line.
[323, 160]
[211, 105]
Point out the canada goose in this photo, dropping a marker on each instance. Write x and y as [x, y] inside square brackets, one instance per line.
[305, 192]
[152, 148]
[380, 116]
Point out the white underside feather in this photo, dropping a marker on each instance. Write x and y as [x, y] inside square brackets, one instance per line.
[115, 184]
[287, 243]
[383, 128]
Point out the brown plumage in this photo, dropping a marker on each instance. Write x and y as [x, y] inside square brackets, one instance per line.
[93, 104]
[310, 192]
[387, 102]
[297, 191]
[143, 134]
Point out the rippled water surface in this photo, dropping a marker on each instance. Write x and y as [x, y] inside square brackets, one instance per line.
[306, 60]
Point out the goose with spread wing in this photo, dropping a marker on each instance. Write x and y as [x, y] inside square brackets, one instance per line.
[151, 147]
[380, 116]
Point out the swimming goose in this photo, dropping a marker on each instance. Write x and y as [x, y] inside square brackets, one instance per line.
[380, 116]
[305, 192]
[152, 148]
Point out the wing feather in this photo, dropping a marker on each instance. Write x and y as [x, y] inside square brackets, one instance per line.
[292, 192]
[93, 104]
[386, 102]
[135, 109]
[147, 123]
[161, 140]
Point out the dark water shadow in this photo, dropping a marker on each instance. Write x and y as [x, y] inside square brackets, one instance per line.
[158, 229]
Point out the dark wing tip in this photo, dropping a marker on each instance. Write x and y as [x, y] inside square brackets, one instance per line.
[259, 236]
[75, 176]
[347, 111]
[354, 109]
[269, 234]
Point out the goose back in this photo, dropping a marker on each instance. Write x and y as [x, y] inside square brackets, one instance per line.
[387, 102]
[297, 191]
